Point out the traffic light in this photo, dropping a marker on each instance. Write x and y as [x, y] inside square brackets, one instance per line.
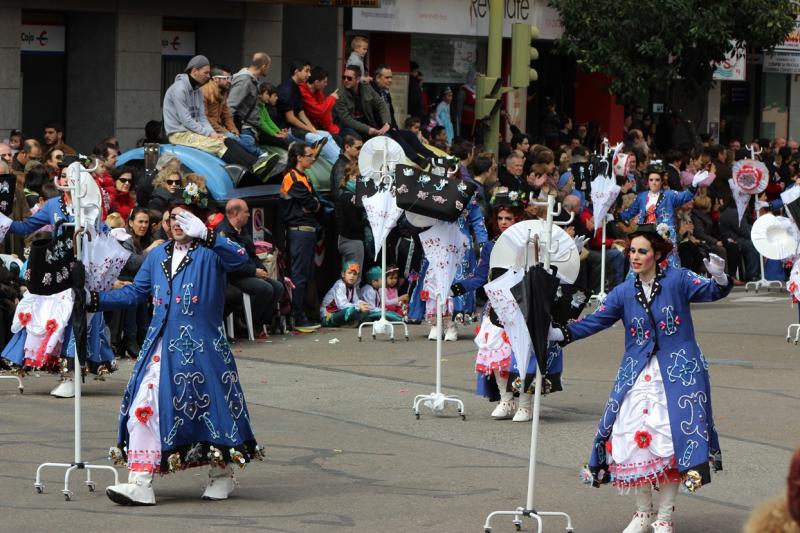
[487, 97]
[522, 53]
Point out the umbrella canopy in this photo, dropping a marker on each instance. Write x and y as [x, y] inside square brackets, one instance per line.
[791, 200]
[740, 197]
[750, 175]
[537, 291]
[514, 247]
[382, 214]
[775, 237]
[508, 311]
[444, 246]
[604, 193]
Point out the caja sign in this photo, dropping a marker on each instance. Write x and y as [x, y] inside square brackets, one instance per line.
[42, 38]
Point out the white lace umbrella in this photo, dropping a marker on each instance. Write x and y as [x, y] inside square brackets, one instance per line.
[104, 258]
[739, 196]
[382, 214]
[775, 237]
[508, 311]
[444, 246]
[604, 193]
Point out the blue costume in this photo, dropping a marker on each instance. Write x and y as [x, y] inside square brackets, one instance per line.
[470, 222]
[662, 213]
[199, 402]
[99, 353]
[661, 327]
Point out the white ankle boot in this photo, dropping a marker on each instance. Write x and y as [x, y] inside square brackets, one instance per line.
[137, 491]
[666, 506]
[640, 523]
[432, 334]
[505, 409]
[451, 333]
[524, 412]
[65, 388]
[220, 483]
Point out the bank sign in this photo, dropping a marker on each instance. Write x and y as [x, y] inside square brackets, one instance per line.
[456, 17]
[42, 39]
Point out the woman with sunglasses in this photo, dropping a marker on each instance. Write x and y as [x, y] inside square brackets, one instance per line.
[657, 428]
[166, 189]
[124, 200]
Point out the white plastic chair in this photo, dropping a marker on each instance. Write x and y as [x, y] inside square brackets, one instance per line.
[248, 318]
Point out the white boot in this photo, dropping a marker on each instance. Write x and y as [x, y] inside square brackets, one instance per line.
[451, 333]
[432, 334]
[666, 506]
[137, 491]
[640, 523]
[65, 387]
[524, 412]
[507, 406]
[220, 483]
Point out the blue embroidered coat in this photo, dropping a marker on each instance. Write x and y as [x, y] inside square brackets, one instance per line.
[668, 201]
[662, 328]
[99, 352]
[200, 401]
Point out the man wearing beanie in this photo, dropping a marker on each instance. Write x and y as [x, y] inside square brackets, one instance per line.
[186, 123]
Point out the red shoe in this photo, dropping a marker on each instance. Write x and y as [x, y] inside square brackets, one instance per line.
[262, 336]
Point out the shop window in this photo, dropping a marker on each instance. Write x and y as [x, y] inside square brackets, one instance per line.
[774, 105]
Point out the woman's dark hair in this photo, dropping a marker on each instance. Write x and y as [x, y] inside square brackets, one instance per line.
[141, 241]
[518, 213]
[462, 149]
[36, 177]
[296, 149]
[661, 247]
[136, 210]
[267, 88]
[125, 169]
[482, 164]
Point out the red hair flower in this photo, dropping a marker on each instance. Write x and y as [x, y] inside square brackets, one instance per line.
[643, 439]
[51, 325]
[24, 318]
[608, 446]
[424, 295]
[144, 413]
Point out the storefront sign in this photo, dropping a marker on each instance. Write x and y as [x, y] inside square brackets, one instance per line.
[732, 68]
[177, 43]
[456, 17]
[782, 62]
[42, 38]
[792, 41]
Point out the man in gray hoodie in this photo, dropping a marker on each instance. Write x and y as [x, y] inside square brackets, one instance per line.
[243, 99]
[185, 121]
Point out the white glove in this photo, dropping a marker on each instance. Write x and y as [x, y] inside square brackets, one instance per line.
[191, 225]
[699, 177]
[580, 241]
[120, 234]
[715, 266]
[555, 334]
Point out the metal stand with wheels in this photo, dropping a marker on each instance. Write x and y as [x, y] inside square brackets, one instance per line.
[599, 298]
[762, 283]
[795, 328]
[437, 401]
[382, 325]
[77, 192]
[20, 386]
[529, 510]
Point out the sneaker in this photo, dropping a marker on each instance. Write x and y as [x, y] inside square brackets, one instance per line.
[523, 414]
[317, 146]
[305, 324]
[640, 523]
[451, 333]
[504, 410]
[265, 164]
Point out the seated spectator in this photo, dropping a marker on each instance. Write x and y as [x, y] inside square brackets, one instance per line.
[382, 84]
[106, 155]
[395, 302]
[711, 241]
[358, 51]
[736, 230]
[511, 174]
[439, 137]
[251, 278]
[341, 304]
[697, 163]
[293, 115]
[54, 138]
[359, 107]
[215, 99]
[124, 201]
[520, 142]
[31, 150]
[350, 218]
[615, 259]
[52, 160]
[318, 107]
[185, 120]
[166, 189]
[371, 294]
[689, 246]
[351, 144]
[14, 141]
[268, 131]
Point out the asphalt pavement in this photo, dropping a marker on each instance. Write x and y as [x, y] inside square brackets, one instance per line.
[345, 453]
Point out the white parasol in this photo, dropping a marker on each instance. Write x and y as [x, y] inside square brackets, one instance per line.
[444, 246]
[382, 214]
[508, 311]
[604, 193]
[775, 237]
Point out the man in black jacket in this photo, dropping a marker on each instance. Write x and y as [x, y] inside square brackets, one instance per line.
[735, 229]
[252, 278]
[351, 146]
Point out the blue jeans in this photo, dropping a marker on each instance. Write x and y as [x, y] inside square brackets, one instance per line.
[301, 260]
[247, 141]
[331, 150]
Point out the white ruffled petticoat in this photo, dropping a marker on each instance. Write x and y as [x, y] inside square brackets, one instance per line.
[144, 444]
[44, 319]
[494, 350]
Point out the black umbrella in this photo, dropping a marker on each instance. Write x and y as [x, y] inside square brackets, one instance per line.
[793, 208]
[78, 318]
[535, 295]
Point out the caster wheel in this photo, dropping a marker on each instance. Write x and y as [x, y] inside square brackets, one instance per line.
[92, 487]
[392, 339]
[487, 530]
[570, 530]
[518, 526]
[463, 418]
[39, 489]
[21, 391]
[373, 336]
[360, 339]
[407, 338]
[416, 415]
[67, 497]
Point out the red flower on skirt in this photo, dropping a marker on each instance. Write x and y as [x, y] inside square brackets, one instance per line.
[643, 439]
[24, 318]
[505, 338]
[424, 295]
[144, 413]
[51, 325]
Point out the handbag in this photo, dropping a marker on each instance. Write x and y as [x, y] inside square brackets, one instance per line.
[51, 262]
[431, 193]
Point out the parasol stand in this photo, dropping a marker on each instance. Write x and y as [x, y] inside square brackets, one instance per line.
[20, 386]
[762, 283]
[77, 192]
[438, 400]
[529, 510]
[381, 326]
[599, 298]
[796, 328]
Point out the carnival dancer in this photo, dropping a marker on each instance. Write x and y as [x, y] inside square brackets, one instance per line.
[42, 335]
[657, 430]
[183, 406]
[657, 206]
[471, 223]
[497, 373]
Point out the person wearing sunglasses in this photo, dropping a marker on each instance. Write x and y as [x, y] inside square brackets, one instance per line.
[124, 201]
[53, 160]
[166, 189]
[657, 432]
